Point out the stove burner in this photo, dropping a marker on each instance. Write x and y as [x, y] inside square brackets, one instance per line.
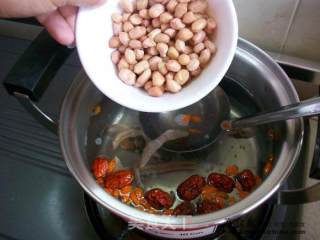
[110, 227]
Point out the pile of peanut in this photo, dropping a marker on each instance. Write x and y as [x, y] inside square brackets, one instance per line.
[161, 44]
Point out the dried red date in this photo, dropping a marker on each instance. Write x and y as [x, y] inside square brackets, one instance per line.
[246, 179]
[158, 199]
[184, 208]
[191, 188]
[205, 207]
[222, 182]
[100, 167]
[119, 179]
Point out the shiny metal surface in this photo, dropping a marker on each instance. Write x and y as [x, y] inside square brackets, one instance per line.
[251, 70]
[210, 112]
[307, 108]
[37, 113]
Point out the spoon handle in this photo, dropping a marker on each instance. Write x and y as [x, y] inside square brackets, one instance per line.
[307, 108]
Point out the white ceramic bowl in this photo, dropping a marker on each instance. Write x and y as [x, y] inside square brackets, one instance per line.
[94, 29]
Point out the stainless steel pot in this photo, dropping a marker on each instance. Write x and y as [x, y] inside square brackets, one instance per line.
[254, 83]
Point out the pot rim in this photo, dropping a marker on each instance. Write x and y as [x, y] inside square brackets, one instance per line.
[295, 130]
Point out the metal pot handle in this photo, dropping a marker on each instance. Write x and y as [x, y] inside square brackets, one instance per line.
[32, 74]
[309, 194]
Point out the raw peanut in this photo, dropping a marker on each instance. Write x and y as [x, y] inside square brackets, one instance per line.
[205, 57]
[152, 51]
[154, 33]
[189, 18]
[148, 42]
[198, 6]
[157, 79]
[184, 59]
[143, 78]
[173, 53]
[135, 19]
[194, 55]
[164, 26]
[171, 6]
[210, 45]
[184, 34]
[122, 49]
[180, 10]
[124, 38]
[146, 57]
[169, 76]
[154, 62]
[156, 23]
[156, 10]
[165, 17]
[148, 85]
[149, 29]
[131, 67]
[140, 67]
[198, 48]
[117, 28]
[193, 65]
[177, 24]
[161, 37]
[116, 17]
[146, 23]
[182, 77]
[115, 57]
[155, 91]
[162, 68]
[127, 76]
[196, 72]
[126, 6]
[211, 25]
[187, 50]
[173, 86]
[184, 1]
[114, 42]
[139, 54]
[199, 25]
[127, 26]
[162, 49]
[173, 66]
[170, 32]
[125, 17]
[142, 4]
[144, 13]
[137, 32]
[135, 44]
[122, 64]
[130, 56]
[180, 45]
[198, 37]
[144, 37]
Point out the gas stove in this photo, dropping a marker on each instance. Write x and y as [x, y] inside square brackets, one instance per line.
[41, 200]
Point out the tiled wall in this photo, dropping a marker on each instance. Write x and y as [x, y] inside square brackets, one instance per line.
[290, 27]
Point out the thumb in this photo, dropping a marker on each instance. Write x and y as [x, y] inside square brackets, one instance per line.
[83, 2]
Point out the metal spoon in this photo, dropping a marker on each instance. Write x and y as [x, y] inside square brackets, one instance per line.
[201, 120]
[307, 108]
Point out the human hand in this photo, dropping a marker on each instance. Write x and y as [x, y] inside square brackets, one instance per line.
[57, 16]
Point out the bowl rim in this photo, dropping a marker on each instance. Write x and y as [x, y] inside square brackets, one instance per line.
[174, 105]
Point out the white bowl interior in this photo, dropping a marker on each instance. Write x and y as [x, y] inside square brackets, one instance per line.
[94, 29]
